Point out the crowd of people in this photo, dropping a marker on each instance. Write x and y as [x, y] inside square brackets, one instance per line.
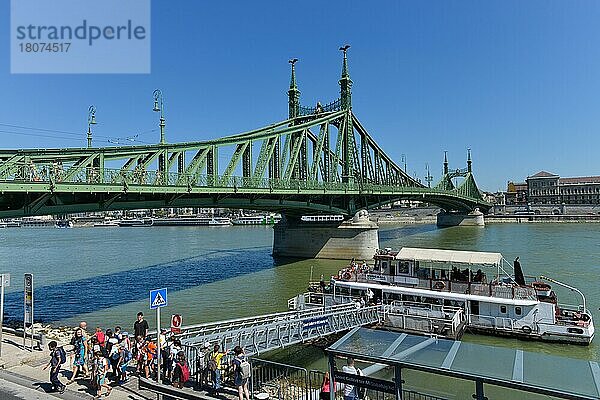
[105, 358]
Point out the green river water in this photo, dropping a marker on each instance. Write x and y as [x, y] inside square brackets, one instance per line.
[102, 275]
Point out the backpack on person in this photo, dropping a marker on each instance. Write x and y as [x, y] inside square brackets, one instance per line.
[185, 372]
[201, 362]
[212, 364]
[212, 361]
[244, 369]
[127, 356]
[62, 355]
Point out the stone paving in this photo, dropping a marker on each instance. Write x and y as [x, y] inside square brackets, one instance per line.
[22, 376]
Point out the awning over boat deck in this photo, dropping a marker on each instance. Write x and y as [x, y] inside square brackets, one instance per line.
[497, 365]
[449, 256]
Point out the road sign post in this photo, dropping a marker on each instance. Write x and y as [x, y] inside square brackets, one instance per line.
[176, 321]
[158, 299]
[28, 309]
[4, 282]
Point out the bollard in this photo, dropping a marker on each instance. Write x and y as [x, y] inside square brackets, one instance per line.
[43, 341]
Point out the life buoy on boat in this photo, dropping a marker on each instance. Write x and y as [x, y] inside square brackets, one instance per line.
[439, 285]
[346, 275]
[526, 329]
[585, 317]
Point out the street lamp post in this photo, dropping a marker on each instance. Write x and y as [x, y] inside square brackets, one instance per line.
[159, 107]
[91, 121]
[162, 158]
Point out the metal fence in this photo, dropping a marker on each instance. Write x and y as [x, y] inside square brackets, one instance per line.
[316, 379]
[279, 381]
[191, 355]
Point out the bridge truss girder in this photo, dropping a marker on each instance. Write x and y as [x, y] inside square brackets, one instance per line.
[63, 199]
[328, 163]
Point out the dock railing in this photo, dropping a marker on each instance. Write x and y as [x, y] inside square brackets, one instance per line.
[426, 318]
[280, 381]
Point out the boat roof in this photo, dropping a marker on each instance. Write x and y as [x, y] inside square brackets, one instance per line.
[436, 294]
[449, 256]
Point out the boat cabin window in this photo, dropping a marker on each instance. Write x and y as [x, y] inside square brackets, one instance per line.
[404, 267]
[392, 268]
[376, 266]
[384, 266]
[422, 273]
[518, 310]
[503, 309]
[439, 274]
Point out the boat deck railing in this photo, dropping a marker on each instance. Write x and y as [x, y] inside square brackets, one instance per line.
[500, 290]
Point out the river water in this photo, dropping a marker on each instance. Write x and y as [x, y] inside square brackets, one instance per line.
[103, 275]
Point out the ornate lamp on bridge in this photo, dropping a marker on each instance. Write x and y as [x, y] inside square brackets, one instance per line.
[91, 121]
[159, 107]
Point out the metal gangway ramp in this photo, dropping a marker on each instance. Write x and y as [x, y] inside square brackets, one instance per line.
[263, 333]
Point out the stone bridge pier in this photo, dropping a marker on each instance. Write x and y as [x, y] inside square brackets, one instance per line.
[451, 218]
[355, 238]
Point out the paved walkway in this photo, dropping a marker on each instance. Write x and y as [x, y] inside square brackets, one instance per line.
[22, 377]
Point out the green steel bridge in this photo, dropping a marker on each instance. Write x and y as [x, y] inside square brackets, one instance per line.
[319, 160]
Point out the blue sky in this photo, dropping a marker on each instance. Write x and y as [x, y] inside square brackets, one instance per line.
[518, 82]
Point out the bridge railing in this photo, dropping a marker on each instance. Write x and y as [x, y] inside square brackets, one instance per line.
[57, 174]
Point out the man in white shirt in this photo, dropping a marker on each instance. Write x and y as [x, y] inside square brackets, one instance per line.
[350, 390]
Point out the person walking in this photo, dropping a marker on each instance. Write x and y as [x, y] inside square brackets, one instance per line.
[214, 365]
[241, 373]
[140, 328]
[174, 349]
[80, 350]
[123, 362]
[57, 358]
[202, 364]
[181, 373]
[350, 392]
[100, 368]
[325, 392]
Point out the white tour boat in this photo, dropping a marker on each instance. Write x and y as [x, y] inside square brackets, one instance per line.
[270, 219]
[192, 221]
[476, 284]
[136, 222]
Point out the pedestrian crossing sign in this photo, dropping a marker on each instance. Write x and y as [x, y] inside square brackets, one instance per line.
[158, 298]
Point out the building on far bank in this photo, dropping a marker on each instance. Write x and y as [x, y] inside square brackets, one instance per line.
[516, 193]
[547, 188]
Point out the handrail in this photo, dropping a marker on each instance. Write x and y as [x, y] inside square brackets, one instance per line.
[574, 289]
[240, 323]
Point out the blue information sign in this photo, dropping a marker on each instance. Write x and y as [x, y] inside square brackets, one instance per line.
[158, 298]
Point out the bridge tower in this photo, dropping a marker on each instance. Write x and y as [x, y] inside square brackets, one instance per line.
[347, 126]
[357, 237]
[445, 162]
[447, 218]
[293, 93]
